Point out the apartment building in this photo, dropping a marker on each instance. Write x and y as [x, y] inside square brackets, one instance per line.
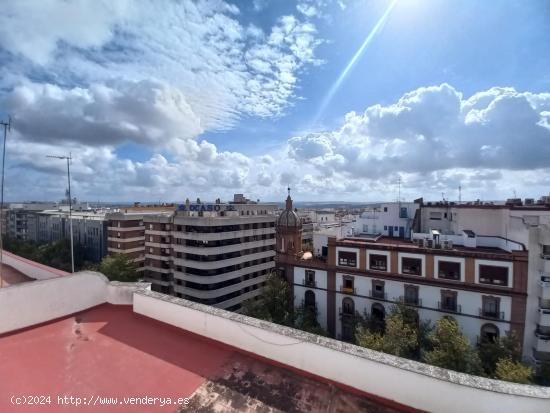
[213, 253]
[392, 219]
[481, 280]
[525, 221]
[49, 222]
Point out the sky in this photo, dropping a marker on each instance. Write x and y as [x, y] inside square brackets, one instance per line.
[338, 99]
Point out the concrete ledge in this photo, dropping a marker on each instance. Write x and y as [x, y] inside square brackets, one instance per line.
[403, 381]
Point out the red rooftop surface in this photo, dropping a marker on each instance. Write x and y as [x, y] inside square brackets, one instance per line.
[111, 352]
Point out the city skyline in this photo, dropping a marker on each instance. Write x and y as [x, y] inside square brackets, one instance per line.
[338, 99]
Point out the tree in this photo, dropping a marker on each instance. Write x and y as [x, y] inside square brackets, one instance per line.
[274, 304]
[510, 370]
[451, 349]
[400, 338]
[305, 319]
[118, 267]
[506, 347]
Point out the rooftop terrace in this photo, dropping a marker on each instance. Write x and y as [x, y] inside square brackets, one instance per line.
[110, 351]
[80, 335]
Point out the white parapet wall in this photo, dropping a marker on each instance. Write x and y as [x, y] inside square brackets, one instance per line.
[27, 304]
[30, 268]
[417, 385]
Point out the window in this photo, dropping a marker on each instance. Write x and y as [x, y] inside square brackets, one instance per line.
[449, 270]
[310, 278]
[489, 333]
[395, 228]
[378, 290]
[385, 227]
[435, 215]
[546, 250]
[348, 306]
[378, 262]
[403, 212]
[411, 266]
[347, 286]
[411, 295]
[385, 209]
[491, 307]
[490, 274]
[365, 228]
[309, 300]
[346, 258]
[448, 300]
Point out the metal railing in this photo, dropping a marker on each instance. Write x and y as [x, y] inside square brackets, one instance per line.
[457, 308]
[410, 301]
[309, 283]
[497, 315]
[348, 290]
[381, 295]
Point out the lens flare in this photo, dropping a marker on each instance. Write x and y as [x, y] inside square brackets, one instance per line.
[327, 99]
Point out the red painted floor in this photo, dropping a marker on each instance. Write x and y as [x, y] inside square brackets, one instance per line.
[107, 351]
[110, 352]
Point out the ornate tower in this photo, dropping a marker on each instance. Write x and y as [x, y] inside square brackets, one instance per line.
[289, 230]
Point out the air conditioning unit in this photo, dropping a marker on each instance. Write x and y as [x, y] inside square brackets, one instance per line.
[421, 243]
[429, 243]
[447, 244]
[416, 241]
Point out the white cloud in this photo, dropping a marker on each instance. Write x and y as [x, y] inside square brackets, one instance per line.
[432, 129]
[146, 112]
[199, 49]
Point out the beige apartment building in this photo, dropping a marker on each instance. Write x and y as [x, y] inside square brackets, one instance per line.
[213, 253]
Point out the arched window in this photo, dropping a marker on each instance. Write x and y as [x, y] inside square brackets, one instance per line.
[309, 299]
[489, 333]
[378, 317]
[378, 311]
[348, 306]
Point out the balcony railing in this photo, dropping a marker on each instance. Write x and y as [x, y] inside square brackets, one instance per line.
[309, 283]
[345, 313]
[543, 335]
[379, 267]
[347, 290]
[380, 295]
[457, 308]
[497, 315]
[410, 301]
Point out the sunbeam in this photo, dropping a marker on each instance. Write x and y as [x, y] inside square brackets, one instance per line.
[327, 99]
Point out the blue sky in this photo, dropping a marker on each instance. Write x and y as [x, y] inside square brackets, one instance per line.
[207, 98]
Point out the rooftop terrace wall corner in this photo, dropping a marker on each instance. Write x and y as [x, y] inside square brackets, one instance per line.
[345, 364]
[45, 300]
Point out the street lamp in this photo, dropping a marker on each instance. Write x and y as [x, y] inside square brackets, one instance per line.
[68, 158]
[7, 127]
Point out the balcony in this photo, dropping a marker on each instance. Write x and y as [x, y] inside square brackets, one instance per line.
[309, 283]
[345, 313]
[456, 309]
[378, 295]
[347, 290]
[495, 315]
[545, 286]
[415, 301]
[544, 318]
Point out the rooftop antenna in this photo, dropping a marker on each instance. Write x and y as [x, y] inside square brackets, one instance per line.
[459, 194]
[68, 158]
[7, 128]
[399, 190]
